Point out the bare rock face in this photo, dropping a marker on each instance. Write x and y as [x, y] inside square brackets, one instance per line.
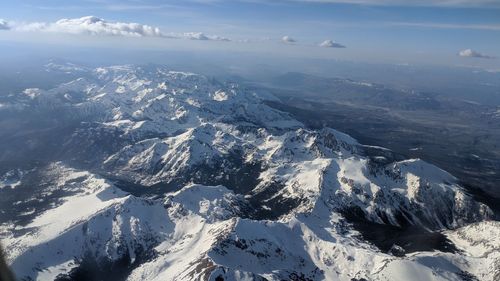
[397, 251]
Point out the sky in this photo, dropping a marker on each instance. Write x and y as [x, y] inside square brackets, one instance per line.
[448, 32]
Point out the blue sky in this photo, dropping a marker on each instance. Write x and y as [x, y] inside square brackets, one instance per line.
[385, 30]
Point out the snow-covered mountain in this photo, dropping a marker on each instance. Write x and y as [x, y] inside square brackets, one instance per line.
[175, 176]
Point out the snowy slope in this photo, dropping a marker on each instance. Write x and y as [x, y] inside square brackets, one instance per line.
[174, 176]
[197, 233]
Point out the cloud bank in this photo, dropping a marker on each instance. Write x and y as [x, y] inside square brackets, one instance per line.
[469, 53]
[91, 25]
[95, 26]
[331, 44]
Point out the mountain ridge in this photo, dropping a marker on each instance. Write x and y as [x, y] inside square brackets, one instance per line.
[237, 190]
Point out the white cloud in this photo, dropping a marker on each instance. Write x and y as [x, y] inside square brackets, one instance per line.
[288, 40]
[423, 3]
[201, 36]
[91, 25]
[218, 38]
[195, 36]
[469, 53]
[4, 25]
[331, 44]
